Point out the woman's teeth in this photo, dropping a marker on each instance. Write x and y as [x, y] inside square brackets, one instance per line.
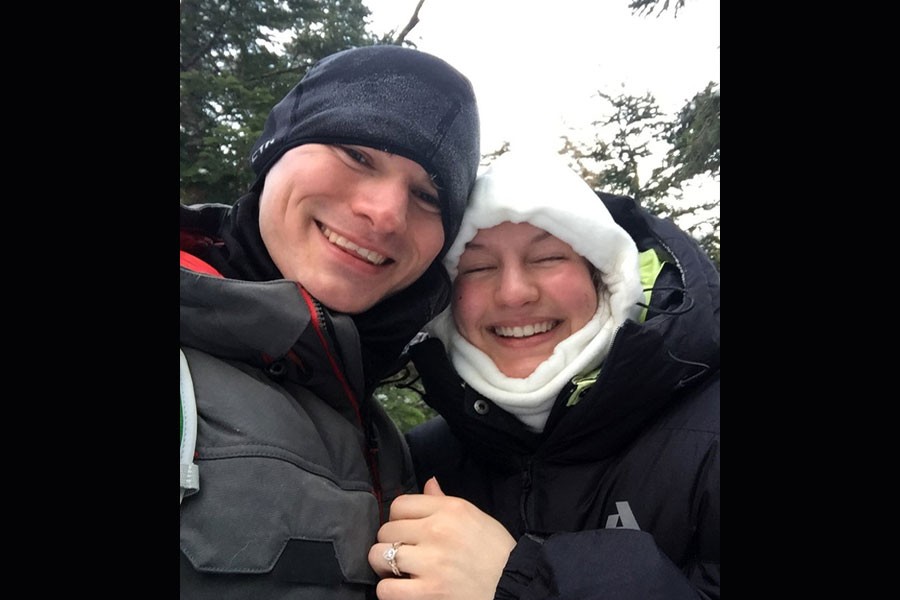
[525, 331]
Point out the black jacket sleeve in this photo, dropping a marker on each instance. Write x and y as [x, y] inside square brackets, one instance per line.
[620, 564]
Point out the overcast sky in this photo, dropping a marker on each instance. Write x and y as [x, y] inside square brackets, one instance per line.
[536, 65]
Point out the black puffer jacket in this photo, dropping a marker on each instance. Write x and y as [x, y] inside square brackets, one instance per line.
[297, 464]
[619, 496]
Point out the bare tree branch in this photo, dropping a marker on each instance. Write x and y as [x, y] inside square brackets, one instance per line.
[413, 21]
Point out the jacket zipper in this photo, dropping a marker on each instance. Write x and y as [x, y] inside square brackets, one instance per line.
[370, 453]
[526, 493]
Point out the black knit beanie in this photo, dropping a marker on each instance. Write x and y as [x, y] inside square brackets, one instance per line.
[390, 98]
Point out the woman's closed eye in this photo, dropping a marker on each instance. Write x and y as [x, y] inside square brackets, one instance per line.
[475, 268]
[550, 259]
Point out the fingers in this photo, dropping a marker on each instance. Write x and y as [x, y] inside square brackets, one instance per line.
[378, 559]
[433, 488]
[393, 588]
[407, 558]
[442, 567]
[440, 535]
[417, 506]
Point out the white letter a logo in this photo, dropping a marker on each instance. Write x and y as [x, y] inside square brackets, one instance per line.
[624, 520]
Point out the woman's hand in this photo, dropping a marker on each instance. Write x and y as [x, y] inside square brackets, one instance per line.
[450, 548]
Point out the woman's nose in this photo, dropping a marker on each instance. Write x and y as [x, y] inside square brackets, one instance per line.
[516, 287]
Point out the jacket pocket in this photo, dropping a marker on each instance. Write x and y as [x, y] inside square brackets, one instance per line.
[258, 513]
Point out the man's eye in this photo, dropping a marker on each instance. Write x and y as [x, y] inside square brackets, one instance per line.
[428, 201]
[356, 155]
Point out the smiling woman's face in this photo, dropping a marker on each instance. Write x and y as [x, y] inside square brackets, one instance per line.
[521, 291]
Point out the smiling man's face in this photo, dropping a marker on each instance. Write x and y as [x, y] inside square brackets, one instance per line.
[351, 224]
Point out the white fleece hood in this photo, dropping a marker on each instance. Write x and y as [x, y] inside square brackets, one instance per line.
[544, 191]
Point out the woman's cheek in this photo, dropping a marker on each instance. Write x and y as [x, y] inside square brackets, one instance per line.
[465, 305]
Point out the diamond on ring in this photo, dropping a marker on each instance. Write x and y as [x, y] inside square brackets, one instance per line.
[390, 555]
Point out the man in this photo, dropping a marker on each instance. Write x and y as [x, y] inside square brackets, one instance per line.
[296, 301]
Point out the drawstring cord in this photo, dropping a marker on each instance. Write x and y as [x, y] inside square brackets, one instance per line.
[685, 381]
[690, 300]
[689, 304]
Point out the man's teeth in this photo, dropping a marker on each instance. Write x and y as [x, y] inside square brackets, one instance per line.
[527, 330]
[370, 255]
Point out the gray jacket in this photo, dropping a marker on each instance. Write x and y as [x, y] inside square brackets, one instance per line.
[297, 465]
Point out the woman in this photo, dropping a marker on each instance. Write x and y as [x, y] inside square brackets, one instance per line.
[576, 374]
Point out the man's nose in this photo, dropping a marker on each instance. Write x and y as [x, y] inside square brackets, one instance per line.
[384, 203]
